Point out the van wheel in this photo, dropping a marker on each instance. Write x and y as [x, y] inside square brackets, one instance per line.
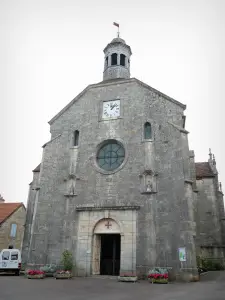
[17, 273]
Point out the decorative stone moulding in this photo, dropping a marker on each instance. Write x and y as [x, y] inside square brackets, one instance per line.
[148, 182]
[70, 195]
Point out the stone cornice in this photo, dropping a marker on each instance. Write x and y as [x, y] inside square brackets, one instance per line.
[121, 207]
[178, 128]
[51, 140]
[188, 181]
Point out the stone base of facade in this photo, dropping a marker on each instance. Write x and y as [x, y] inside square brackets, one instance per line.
[127, 278]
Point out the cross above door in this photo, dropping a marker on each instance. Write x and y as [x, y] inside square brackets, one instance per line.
[108, 224]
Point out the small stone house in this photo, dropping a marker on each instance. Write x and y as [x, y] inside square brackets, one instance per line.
[12, 219]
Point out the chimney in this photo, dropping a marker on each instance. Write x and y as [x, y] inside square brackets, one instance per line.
[1, 199]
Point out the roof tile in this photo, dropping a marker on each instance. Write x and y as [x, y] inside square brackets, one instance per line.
[7, 209]
[203, 170]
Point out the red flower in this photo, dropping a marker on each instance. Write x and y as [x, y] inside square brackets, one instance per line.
[158, 276]
[35, 272]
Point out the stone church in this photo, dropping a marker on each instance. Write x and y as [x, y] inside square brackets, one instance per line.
[118, 185]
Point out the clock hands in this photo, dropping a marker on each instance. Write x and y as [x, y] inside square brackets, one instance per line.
[112, 106]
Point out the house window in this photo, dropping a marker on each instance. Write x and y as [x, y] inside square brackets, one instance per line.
[114, 59]
[107, 61]
[147, 131]
[13, 230]
[76, 138]
[122, 59]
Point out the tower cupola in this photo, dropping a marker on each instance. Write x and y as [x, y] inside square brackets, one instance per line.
[117, 60]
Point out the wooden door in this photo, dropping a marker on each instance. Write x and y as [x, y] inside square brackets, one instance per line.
[96, 254]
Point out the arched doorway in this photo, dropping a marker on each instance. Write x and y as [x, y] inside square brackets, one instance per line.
[106, 248]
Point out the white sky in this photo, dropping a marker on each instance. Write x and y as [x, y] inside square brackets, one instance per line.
[50, 50]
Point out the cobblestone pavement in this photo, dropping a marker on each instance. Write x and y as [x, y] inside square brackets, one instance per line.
[211, 287]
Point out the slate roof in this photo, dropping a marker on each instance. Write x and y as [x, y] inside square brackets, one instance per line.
[7, 209]
[203, 170]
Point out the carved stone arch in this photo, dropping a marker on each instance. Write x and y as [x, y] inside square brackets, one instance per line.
[99, 219]
[98, 227]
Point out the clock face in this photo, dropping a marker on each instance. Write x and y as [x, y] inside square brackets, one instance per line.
[111, 109]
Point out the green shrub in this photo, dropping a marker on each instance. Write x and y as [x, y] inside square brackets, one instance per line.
[67, 260]
[211, 265]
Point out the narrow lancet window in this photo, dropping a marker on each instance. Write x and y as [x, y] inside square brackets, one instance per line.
[122, 60]
[107, 61]
[114, 59]
[76, 138]
[147, 131]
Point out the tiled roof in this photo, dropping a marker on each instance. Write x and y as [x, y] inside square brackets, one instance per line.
[203, 170]
[7, 209]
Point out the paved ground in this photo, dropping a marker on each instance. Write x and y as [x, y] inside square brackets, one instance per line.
[211, 287]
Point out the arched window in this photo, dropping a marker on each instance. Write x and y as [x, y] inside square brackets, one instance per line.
[76, 138]
[114, 59]
[122, 60]
[147, 131]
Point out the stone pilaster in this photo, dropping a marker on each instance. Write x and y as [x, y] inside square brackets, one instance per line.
[188, 268]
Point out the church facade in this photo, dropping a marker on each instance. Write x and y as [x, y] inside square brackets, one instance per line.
[118, 186]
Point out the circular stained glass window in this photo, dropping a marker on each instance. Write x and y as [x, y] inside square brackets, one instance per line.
[110, 156]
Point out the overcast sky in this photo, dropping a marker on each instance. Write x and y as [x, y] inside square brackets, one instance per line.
[50, 50]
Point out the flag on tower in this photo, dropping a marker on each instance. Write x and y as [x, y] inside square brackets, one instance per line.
[116, 24]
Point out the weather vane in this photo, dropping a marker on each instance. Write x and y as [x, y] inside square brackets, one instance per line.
[118, 26]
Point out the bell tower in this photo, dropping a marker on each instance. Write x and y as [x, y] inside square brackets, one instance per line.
[117, 60]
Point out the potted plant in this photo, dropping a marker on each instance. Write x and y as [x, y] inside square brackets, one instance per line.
[61, 274]
[158, 275]
[35, 274]
[67, 261]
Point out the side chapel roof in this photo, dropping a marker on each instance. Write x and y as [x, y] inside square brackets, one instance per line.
[203, 170]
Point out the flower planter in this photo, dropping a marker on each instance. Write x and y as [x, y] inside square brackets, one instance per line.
[158, 275]
[127, 278]
[153, 280]
[49, 274]
[37, 276]
[63, 275]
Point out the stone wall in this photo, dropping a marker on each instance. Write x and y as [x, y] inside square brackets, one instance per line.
[210, 238]
[18, 217]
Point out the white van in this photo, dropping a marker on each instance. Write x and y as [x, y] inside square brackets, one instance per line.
[10, 261]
